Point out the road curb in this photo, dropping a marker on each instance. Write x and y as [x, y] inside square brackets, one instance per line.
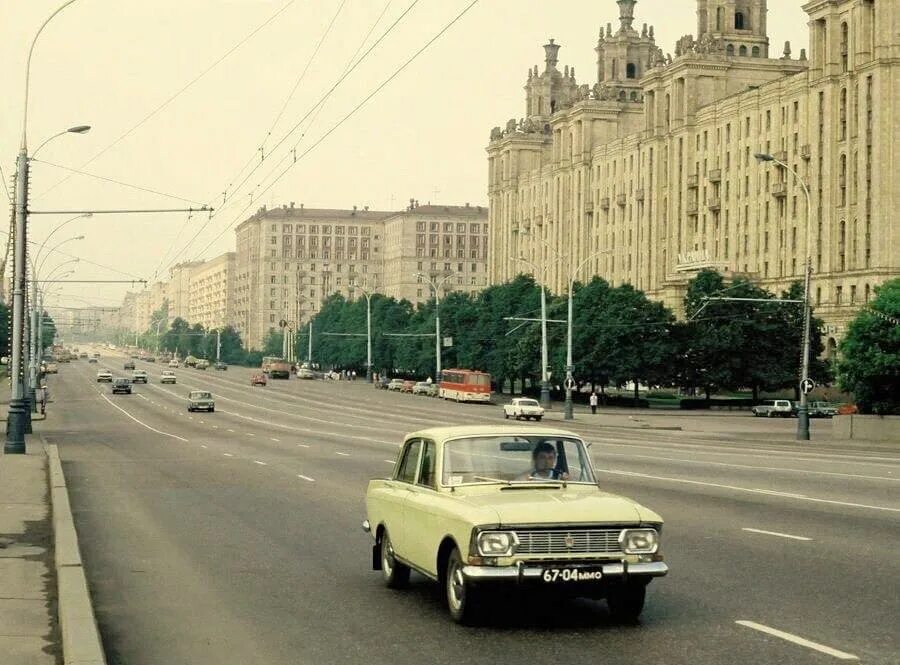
[80, 637]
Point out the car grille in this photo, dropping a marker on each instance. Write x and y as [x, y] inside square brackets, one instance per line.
[569, 541]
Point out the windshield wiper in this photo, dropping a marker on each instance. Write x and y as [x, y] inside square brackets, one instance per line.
[538, 483]
[493, 480]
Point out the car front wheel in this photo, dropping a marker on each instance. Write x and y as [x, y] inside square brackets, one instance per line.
[627, 602]
[462, 599]
[395, 574]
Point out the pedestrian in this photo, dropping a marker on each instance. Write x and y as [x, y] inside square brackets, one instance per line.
[353, 375]
[593, 402]
[41, 396]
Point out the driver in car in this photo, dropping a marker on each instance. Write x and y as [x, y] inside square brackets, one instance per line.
[544, 464]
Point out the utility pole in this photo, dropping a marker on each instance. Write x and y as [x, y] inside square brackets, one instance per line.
[218, 345]
[15, 426]
[437, 318]
[309, 351]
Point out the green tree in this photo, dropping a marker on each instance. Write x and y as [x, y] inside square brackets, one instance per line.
[48, 331]
[273, 342]
[869, 365]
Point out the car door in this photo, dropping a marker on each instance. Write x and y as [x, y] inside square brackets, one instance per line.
[397, 497]
[422, 514]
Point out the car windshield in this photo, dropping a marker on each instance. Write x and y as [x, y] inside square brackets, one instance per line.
[528, 402]
[506, 459]
[198, 394]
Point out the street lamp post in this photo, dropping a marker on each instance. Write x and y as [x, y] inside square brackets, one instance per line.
[803, 408]
[368, 294]
[545, 375]
[15, 424]
[437, 318]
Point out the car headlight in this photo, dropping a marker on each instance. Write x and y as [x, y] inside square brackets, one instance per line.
[639, 541]
[497, 543]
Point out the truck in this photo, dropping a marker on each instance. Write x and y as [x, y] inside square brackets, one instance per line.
[279, 369]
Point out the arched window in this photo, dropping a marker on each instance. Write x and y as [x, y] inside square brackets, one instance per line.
[729, 50]
[845, 46]
[843, 114]
[743, 51]
[622, 97]
[755, 51]
[634, 96]
[842, 182]
[631, 70]
[739, 20]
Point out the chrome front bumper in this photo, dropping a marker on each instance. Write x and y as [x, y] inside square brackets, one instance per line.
[522, 572]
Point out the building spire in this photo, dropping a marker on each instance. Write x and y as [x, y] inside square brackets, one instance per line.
[551, 51]
[626, 14]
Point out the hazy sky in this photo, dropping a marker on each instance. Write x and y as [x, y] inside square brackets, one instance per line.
[110, 63]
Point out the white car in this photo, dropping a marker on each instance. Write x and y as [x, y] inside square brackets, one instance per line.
[104, 376]
[173, 364]
[523, 407]
[772, 408]
[167, 376]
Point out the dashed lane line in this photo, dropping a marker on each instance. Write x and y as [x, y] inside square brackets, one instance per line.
[141, 423]
[303, 445]
[249, 434]
[227, 455]
[389, 461]
[230, 430]
[343, 454]
[775, 533]
[796, 639]
[256, 461]
[272, 438]
[307, 478]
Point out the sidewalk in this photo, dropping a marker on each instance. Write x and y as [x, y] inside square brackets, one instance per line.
[29, 632]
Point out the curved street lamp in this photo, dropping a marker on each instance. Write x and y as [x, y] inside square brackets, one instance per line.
[57, 228]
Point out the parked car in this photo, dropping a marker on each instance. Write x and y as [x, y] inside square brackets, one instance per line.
[104, 376]
[771, 408]
[201, 400]
[51, 368]
[167, 376]
[82, 356]
[201, 364]
[523, 407]
[92, 361]
[139, 376]
[222, 367]
[190, 361]
[150, 359]
[407, 386]
[822, 410]
[305, 373]
[258, 379]
[447, 512]
[425, 388]
[121, 386]
[173, 364]
[395, 384]
[129, 364]
[382, 383]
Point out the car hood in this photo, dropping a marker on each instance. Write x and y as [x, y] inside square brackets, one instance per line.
[553, 505]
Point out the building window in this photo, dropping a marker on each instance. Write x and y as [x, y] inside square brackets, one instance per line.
[742, 51]
[631, 70]
[739, 21]
[844, 47]
[729, 50]
[756, 52]
[838, 295]
[843, 115]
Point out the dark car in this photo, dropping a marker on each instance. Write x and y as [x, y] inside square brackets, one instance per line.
[129, 364]
[220, 366]
[121, 386]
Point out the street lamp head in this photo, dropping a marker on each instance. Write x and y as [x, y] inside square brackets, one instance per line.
[78, 238]
[763, 157]
[79, 129]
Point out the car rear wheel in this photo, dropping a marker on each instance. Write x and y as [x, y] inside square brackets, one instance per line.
[627, 602]
[462, 598]
[538, 418]
[395, 574]
[506, 415]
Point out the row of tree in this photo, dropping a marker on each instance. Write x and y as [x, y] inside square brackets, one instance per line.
[619, 335]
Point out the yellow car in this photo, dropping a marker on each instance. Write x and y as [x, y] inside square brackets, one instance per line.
[479, 508]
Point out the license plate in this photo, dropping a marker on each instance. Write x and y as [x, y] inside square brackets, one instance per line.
[562, 575]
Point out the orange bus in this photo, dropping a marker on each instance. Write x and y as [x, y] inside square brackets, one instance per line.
[465, 385]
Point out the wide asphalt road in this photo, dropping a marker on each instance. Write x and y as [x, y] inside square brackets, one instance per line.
[234, 537]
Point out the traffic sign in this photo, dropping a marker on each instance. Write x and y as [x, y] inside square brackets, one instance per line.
[807, 386]
[570, 384]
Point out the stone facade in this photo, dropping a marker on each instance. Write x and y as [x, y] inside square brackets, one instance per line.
[178, 290]
[649, 173]
[210, 291]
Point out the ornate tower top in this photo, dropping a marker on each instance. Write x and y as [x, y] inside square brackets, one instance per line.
[626, 14]
[551, 51]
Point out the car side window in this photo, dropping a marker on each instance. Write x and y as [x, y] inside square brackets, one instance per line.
[426, 473]
[409, 464]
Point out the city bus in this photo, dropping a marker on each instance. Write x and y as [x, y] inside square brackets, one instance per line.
[465, 385]
[269, 360]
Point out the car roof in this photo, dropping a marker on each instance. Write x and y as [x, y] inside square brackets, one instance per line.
[444, 433]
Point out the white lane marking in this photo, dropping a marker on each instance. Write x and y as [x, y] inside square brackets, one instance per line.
[343, 454]
[231, 430]
[312, 480]
[775, 533]
[821, 648]
[274, 439]
[191, 417]
[215, 427]
[202, 423]
[249, 434]
[203, 445]
[141, 423]
[302, 445]
[142, 397]
[389, 461]
[798, 497]
[256, 461]
[228, 455]
[790, 495]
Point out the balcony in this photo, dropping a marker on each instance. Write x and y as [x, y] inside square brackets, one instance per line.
[806, 151]
[715, 175]
[620, 200]
[714, 203]
[639, 195]
[604, 203]
[693, 181]
[781, 156]
[779, 190]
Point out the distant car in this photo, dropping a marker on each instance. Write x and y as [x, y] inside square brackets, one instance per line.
[173, 364]
[201, 400]
[822, 410]
[121, 386]
[523, 407]
[190, 361]
[129, 364]
[104, 376]
[150, 359]
[395, 384]
[222, 367]
[167, 376]
[139, 376]
[92, 360]
[51, 368]
[425, 388]
[96, 355]
[201, 364]
[305, 373]
[772, 408]
[407, 386]
[258, 379]
[82, 356]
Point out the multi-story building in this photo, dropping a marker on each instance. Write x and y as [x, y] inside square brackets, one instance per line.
[649, 173]
[445, 243]
[210, 292]
[178, 290]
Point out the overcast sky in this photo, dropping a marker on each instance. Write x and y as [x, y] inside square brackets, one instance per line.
[111, 63]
